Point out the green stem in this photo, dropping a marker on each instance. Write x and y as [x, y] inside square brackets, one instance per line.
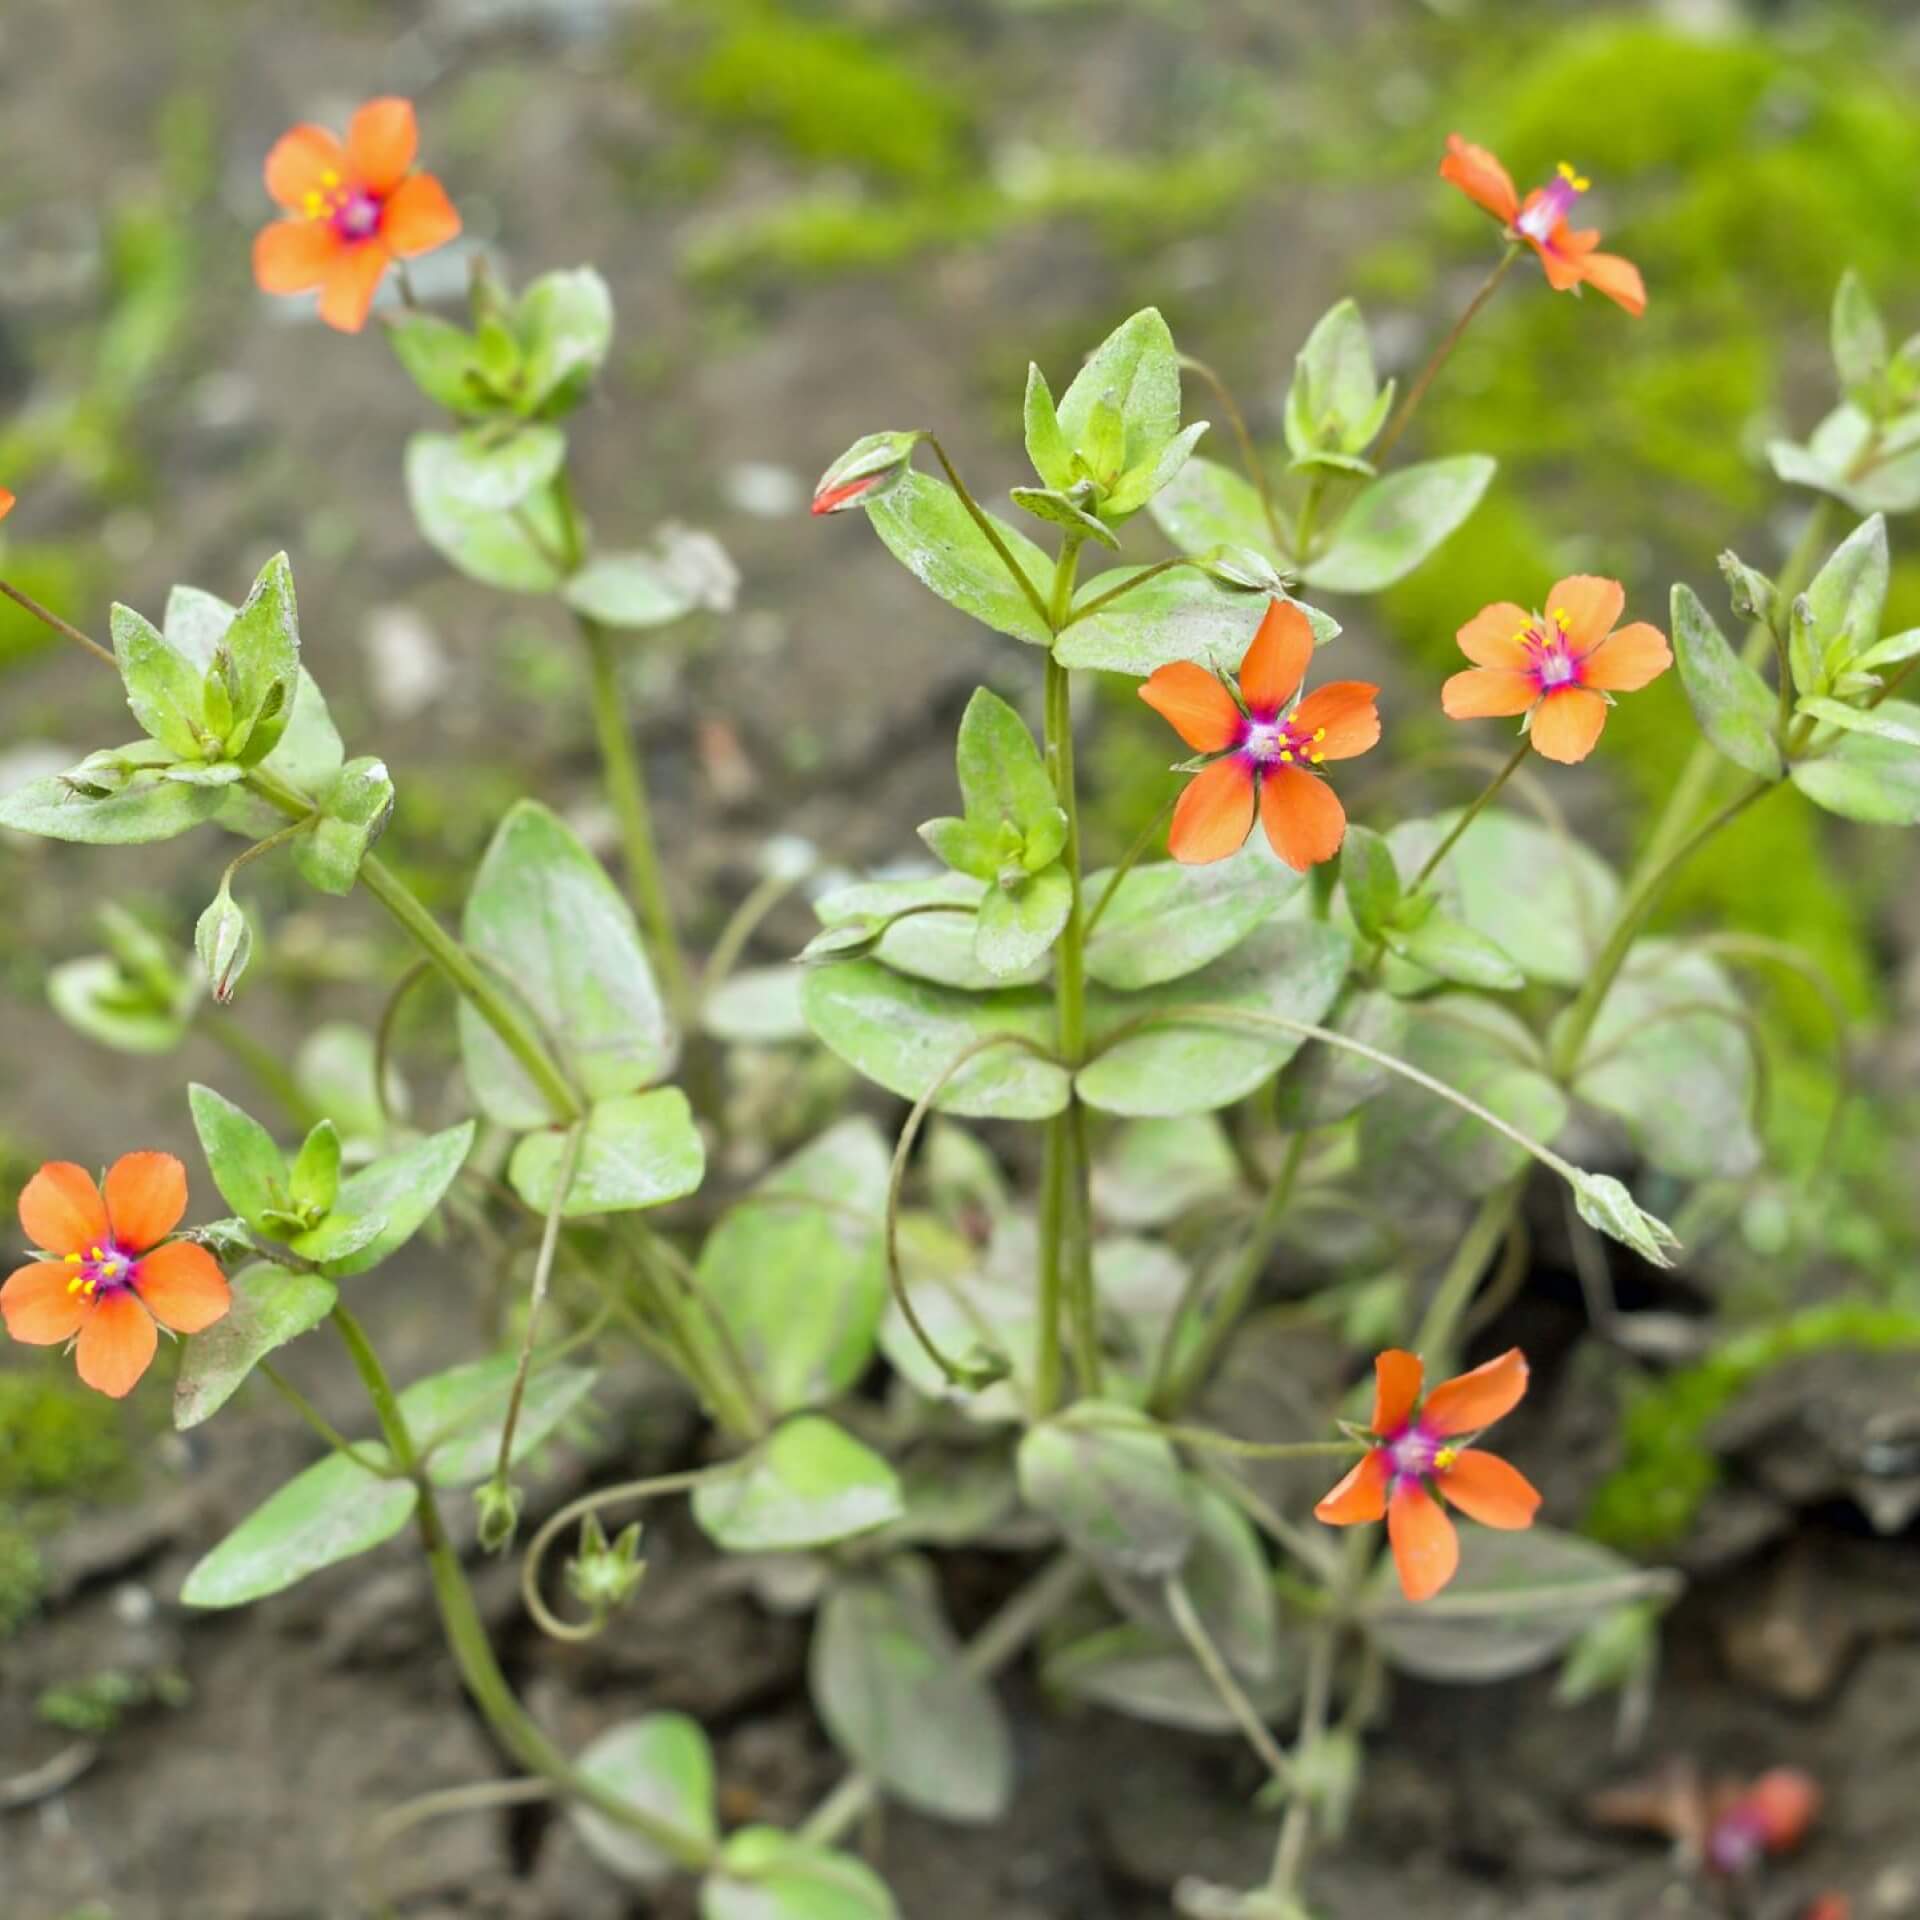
[1403, 414]
[627, 790]
[1140, 579]
[1491, 1223]
[1472, 813]
[321, 1425]
[1249, 455]
[466, 1632]
[984, 521]
[1193, 1371]
[64, 628]
[1141, 842]
[1296, 1829]
[1220, 1676]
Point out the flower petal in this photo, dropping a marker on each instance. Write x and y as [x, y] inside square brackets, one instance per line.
[292, 256]
[382, 138]
[6, 503]
[1492, 637]
[1472, 1401]
[1484, 693]
[1627, 659]
[116, 1344]
[1563, 267]
[1618, 279]
[146, 1195]
[1213, 817]
[1481, 178]
[1426, 1549]
[418, 217]
[1592, 605]
[299, 164]
[61, 1209]
[1304, 819]
[37, 1306]
[1345, 708]
[1361, 1496]
[1194, 703]
[350, 285]
[182, 1286]
[1567, 723]
[1396, 1386]
[1276, 662]
[1485, 1488]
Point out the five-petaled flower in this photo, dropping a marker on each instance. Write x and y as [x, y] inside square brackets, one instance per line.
[1265, 756]
[1415, 1454]
[353, 210]
[1559, 668]
[1567, 257]
[111, 1278]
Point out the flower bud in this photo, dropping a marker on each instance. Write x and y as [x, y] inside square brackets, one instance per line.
[870, 467]
[604, 1576]
[224, 941]
[496, 1505]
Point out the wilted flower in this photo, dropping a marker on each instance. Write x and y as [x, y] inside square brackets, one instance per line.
[353, 210]
[1558, 668]
[1415, 1457]
[1568, 258]
[111, 1279]
[1264, 756]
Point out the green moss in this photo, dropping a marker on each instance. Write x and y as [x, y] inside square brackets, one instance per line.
[96, 1705]
[22, 1579]
[1651, 1499]
[56, 1439]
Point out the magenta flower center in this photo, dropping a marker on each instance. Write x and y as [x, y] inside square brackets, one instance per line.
[1414, 1454]
[101, 1271]
[1550, 655]
[1557, 199]
[357, 217]
[1267, 744]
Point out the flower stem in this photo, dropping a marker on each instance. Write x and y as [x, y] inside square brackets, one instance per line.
[65, 629]
[1249, 454]
[992, 535]
[1403, 414]
[1221, 1677]
[321, 1425]
[1492, 1221]
[1472, 813]
[627, 790]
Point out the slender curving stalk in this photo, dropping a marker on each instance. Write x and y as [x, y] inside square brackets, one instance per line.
[1471, 814]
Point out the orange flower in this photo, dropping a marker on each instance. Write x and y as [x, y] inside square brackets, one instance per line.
[1562, 670]
[354, 211]
[1260, 758]
[1415, 1457]
[1541, 221]
[6, 503]
[113, 1278]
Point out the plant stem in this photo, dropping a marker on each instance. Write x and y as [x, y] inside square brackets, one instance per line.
[1140, 579]
[1221, 1677]
[984, 521]
[321, 1425]
[1492, 1220]
[1296, 1830]
[466, 1632]
[1141, 842]
[1403, 414]
[1192, 1372]
[65, 629]
[1249, 454]
[1472, 813]
[627, 790]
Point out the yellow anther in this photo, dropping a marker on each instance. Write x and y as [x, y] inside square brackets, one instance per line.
[73, 1259]
[1319, 733]
[1445, 1458]
[94, 1253]
[1562, 618]
[1316, 758]
[75, 1284]
[1286, 754]
[331, 177]
[1577, 181]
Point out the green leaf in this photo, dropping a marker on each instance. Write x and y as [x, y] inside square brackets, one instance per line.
[1293, 969]
[163, 688]
[1478, 1049]
[888, 1681]
[1335, 390]
[458, 1417]
[147, 807]
[1396, 522]
[1877, 721]
[1150, 1675]
[307, 758]
[270, 1307]
[353, 814]
[554, 930]
[1369, 879]
[1874, 468]
[1323, 1085]
[1183, 614]
[443, 360]
[565, 324]
[1136, 370]
[1680, 1075]
[497, 467]
[1060, 510]
[759, 1007]
[263, 644]
[1865, 776]
[1859, 339]
[929, 946]
[1544, 899]
[1736, 709]
[663, 1765]
[928, 530]
[904, 1034]
[808, 1484]
[640, 1150]
[628, 590]
[1109, 1480]
[1003, 780]
[1846, 597]
[766, 1874]
[196, 623]
[1017, 925]
[1894, 651]
[1444, 948]
[1152, 1171]
[383, 1206]
[314, 1180]
[519, 551]
[329, 1513]
[1207, 505]
[95, 998]
[795, 1270]
[248, 1168]
[1168, 920]
[1046, 445]
[1139, 484]
[1602, 1202]
[1517, 1602]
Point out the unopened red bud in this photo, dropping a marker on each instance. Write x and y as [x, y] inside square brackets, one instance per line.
[1830, 1906]
[1787, 1803]
[868, 468]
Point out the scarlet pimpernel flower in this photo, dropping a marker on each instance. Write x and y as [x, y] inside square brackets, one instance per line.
[1559, 668]
[353, 210]
[113, 1272]
[6, 503]
[1266, 756]
[1415, 1463]
[1568, 257]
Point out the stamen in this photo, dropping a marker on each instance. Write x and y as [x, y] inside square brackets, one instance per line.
[1445, 1458]
[1577, 181]
[1562, 619]
[73, 1259]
